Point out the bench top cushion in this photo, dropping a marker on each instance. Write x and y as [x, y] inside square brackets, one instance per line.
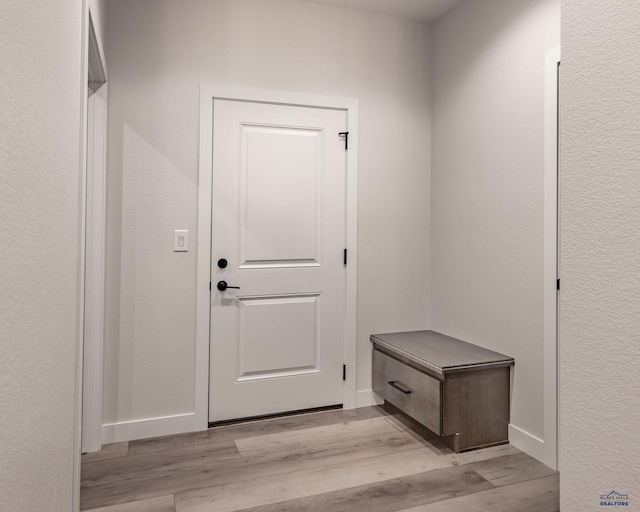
[439, 353]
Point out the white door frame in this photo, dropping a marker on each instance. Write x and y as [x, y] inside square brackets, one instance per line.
[551, 383]
[93, 74]
[208, 93]
[94, 271]
[94, 190]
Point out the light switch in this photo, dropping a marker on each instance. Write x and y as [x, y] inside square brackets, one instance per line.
[180, 240]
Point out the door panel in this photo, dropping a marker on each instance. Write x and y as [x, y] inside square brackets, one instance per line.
[280, 195]
[262, 319]
[279, 175]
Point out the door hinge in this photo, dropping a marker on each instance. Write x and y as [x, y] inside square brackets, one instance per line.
[557, 284]
[345, 256]
[344, 372]
[346, 139]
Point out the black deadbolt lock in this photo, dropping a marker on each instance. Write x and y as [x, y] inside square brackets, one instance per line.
[222, 263]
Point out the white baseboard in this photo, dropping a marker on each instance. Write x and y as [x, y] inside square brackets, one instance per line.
[152, 427]
[528, 443]
[367, 397]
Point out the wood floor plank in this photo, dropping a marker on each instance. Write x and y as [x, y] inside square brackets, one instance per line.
[298, 439]
[319, 461]
[485, 454]
[168, 478]
[299, 484]
[177, 441]
[185, 458]
[159, 504]
[540, 495]
[423, 434]
[108, 451]
[255, 428]
[437, 446]
[390, 495]
[512, 469]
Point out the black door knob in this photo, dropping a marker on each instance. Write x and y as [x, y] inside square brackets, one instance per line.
[222, 263]
[222, 286]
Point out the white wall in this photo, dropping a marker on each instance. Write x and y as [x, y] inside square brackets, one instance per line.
[159, 51]
[40, 93]
[487, 184]
[600, 216]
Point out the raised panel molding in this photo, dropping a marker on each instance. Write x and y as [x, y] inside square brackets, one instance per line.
[280, 196]
[297, 346]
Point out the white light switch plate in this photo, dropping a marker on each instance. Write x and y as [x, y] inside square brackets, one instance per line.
[180, 240]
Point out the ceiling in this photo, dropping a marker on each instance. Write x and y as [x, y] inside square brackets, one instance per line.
[425, 10]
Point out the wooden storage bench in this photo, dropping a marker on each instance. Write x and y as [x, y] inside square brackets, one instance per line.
[452, 387]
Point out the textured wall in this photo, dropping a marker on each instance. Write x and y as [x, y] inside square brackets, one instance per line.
[487, 184]
[158, 53]
[600, 225]
[39, 158]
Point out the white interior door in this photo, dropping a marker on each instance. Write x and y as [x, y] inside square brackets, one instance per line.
[278, 219]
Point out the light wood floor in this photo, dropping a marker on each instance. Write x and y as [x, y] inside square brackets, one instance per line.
[366, 459]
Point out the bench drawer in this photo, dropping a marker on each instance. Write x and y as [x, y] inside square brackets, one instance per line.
[412, 391]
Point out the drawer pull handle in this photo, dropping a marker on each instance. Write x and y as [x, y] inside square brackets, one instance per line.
[399, 387]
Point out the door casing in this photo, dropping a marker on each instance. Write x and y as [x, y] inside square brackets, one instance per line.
[90, 282]
[94, 275]
[551, 268]
[208, 93]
